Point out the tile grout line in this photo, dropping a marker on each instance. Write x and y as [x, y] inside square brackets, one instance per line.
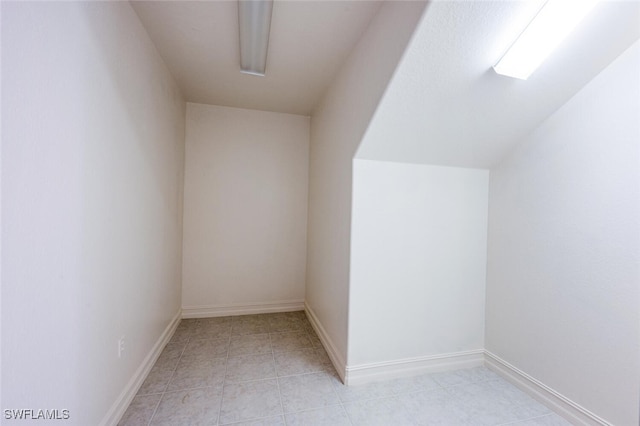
[515, 422]
[344, 409]
[170, 377]
[155, 408]
[226, 368]
[309, 334]
[256, 380]
[275, 371]
[224, 377]
[335, 392]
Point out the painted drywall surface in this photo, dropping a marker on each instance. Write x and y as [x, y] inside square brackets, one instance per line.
[447, 106]
[337, 126]
[308, 42]
[93, 144]
[245, 206]
[418, 261]
[564, 244]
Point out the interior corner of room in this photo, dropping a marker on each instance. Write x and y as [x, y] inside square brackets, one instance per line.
[424, 211]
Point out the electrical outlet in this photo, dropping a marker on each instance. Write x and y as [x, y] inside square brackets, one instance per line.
[121, 347]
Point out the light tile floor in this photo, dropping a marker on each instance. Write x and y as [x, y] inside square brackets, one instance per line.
[271, 369]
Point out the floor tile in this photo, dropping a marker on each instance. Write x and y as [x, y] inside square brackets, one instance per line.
[509, 392]
[249, 328]
[315, 340]
[452, 378]
[269, 421]
[548, 420]
[243, 368]
[328, 416]
[483, 405]
[271, 369]
[187, 323]
[261, 318]
[478, 391]
[190, 407]
[495, 402]
[291, 340]
[169, 357]
[250, 344]
[207, 348]
[308, 326]
[378, 412]
[480, 374]
[162, 371]
[155, 382]
[299, 362]
[181, 334]
[324, 359]
[204, 322]
[249, 401]
[212, 331]
[307, 391]
[250, 324]
[464, 376]
[360, 392]
[527, 411]
[434, 407]
[405, 385]
[286, 322]
[140, 410]
[198, 373]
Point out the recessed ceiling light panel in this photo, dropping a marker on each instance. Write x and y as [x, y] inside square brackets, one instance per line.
[254, 20]
[545, 32]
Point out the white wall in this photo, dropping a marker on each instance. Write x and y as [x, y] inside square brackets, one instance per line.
[564, 242]
[245, 207]
[92, 169]
[418, 261]
[337, 126]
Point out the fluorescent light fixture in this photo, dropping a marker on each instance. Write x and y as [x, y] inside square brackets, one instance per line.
[549, 27]
[254, 20]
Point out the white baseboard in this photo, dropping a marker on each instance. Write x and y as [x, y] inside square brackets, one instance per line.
[365, 373]
[573, 412]
[334, 355]
[207, 311]
[118, 408]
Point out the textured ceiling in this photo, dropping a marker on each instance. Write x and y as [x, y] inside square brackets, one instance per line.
[309, 41]
[446, 105]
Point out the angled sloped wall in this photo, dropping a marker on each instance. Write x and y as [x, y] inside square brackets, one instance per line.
[337, 126]
[419, 222]
[563, 240]
[446, 106]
